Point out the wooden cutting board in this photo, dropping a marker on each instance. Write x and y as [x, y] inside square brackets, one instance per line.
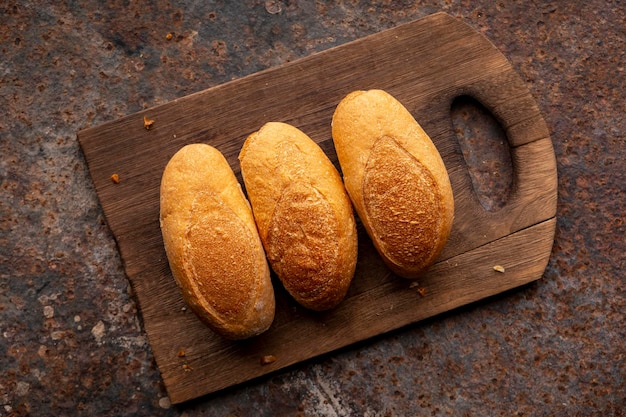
[425, 64]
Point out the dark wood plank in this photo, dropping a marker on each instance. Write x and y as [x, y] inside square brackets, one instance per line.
[426, 64]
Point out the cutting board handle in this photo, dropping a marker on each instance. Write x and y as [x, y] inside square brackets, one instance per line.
[489, 78]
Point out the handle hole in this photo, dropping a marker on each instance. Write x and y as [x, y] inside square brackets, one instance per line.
[486, 151]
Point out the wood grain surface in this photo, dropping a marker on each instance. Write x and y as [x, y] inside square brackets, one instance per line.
[425, 64]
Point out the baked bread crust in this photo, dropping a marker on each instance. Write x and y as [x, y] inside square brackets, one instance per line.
[396, 179]
[212, 244]
[303, 214]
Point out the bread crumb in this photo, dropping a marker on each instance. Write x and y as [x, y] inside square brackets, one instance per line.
[147, 123]
[164, 402]
[169, 36]
[115, 178]
[267, 359]
[187, 368]
[499, 268]
[422, 291]
[414, 284]
[181, 353]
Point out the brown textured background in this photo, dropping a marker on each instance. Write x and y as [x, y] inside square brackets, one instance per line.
[71, 338]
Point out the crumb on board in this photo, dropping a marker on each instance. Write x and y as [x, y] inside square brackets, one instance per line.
[414, 284]
[422, 291]
[169, 36]
[499, 268]
[267, 359]
[181, 353]
[187, 368]
[147, 123]
[115, 178]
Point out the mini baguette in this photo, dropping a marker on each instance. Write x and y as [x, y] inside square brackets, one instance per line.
[303, 214]
[212, 244]
[396, 179]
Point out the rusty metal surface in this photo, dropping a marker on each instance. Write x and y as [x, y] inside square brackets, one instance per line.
[71, 339]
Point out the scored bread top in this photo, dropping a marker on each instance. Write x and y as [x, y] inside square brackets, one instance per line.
[303, 214]
[212, 243]
[396, 179]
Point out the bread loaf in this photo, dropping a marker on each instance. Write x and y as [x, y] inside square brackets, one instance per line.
[212, 244]
[396, 179]
[303, 214]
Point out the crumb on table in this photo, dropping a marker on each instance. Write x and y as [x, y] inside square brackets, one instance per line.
[267, 359]
[147, 123]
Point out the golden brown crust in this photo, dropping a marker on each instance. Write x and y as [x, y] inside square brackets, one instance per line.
[303, 214]
[396, 179]
[212, 244]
